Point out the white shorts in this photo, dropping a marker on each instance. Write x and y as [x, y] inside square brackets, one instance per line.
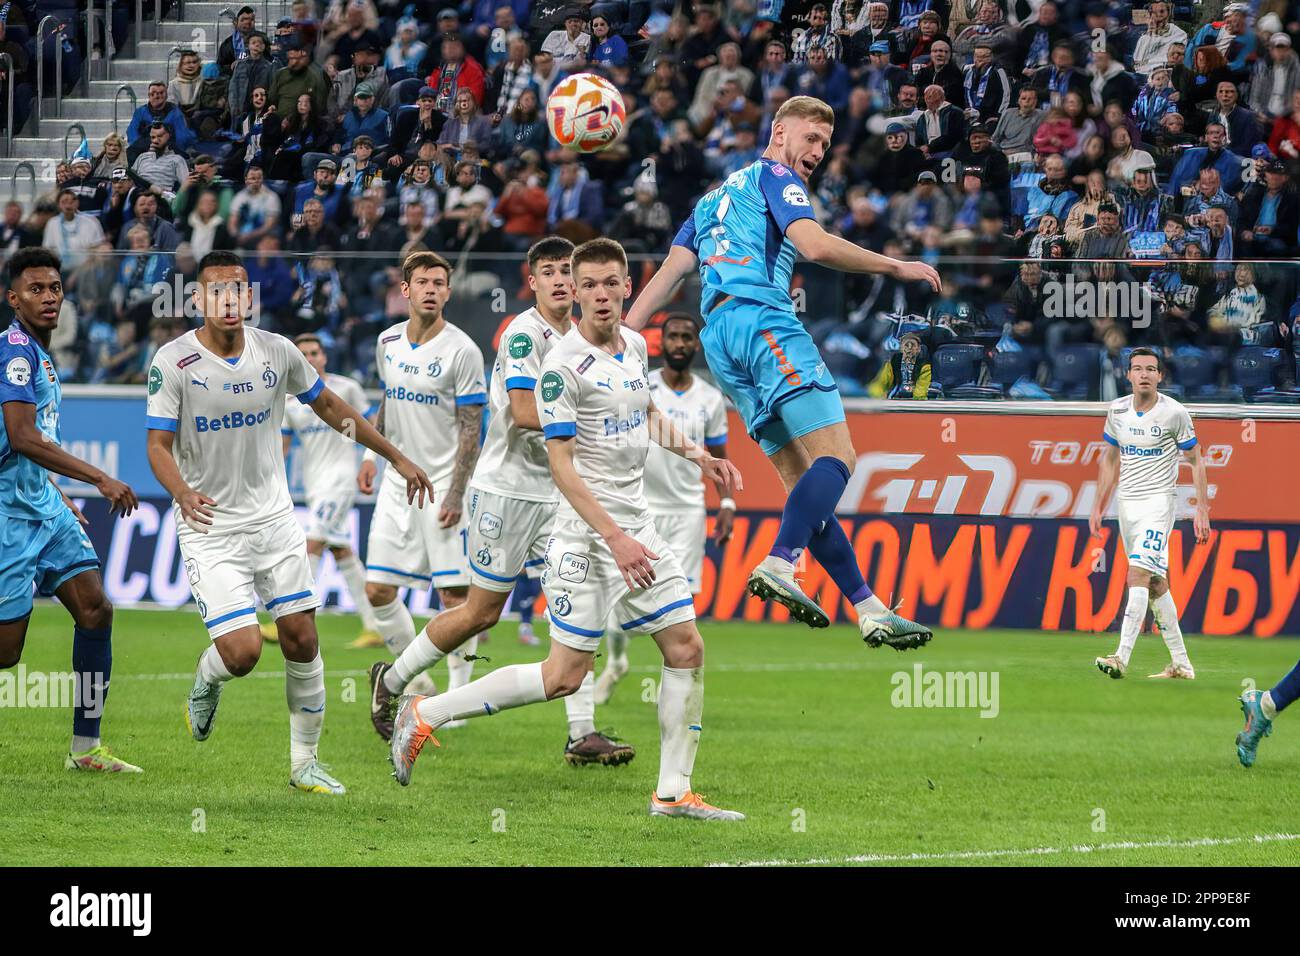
[1144, 526]
[506, 537]
[685, 532]
[583, 587]
[230, 573]
[407, 548]
[328, 510]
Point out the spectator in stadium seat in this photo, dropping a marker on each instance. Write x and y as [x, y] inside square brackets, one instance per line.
[925, 207]
[162, 234]
[161, 165]
[1109, 82]
[895, 171]
[995, 172]
[269, 270]
[1084, 214]
[644, 224]
[608, 47]
[253, 71]
[360, 171]
[365, 71]
[1091, 159]
[941, 125]
[914, 43]
[1025, 304]
[906, 374]
[986, 89]
[466, 125]
[1084, 126]
[941, 70]
[183, 89]
[235, 47]
[1200, 83]
[254, 211]
[91, 190]
[850, 16]
[824, 79]
[463, 219]
[1208, 192]
[1143, 207]
[1169, 144]
[1035, 42]
[407, 51]
[523, 209]
[1214, 153]
[325, 189]
[1240, 307]
[417, 185]
[712, 79]
[991, 28]
[1124, 159]
[775, 71]
[458, 71]
[205, 228]
[1270, 216]
[1061, 78]
[1229, 34]
[1154, 101]
[1050, 194]
[570, 46]
[203, 178]
[364, 119]
[680, 170]
[523, 128]
[1014, 133]
[299, 77]
[310, 230]
[699, 50]
[1243, 127]
[417, 230]
[651, 126]
[545, 74]
[71, 234]
[358, 27]
[1284, 141]
[575, 198]
[297, 142]
[111, 157]
[156, 109]
[510, 78]
[414, 127]
[1152, 48]
[1275, 79]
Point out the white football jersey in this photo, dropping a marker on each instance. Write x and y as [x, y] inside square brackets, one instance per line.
[672, 483]
[1150, 445]
[225, 415]
[423, 385]
[513, 460]
[329, 458]
[602, 401]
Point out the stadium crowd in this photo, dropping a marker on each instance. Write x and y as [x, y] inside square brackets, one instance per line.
[1088, 176]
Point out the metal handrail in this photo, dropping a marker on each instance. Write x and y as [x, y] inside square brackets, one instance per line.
[135, 103]
[107, 18]
[13, 179]
[108, 39]
[40, 67]
[229, 14]
[67, 133]
[8, 61]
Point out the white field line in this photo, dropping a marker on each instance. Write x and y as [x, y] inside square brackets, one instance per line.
[1078, 848]
[792, 667]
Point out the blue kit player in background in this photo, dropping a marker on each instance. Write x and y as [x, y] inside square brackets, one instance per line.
[41, 538]
[743, 238]
[1261, 709]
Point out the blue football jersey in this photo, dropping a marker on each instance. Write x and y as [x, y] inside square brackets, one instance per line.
[27, 375]
[738, 233]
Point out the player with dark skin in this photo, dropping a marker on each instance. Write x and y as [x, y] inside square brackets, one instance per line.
[36, 298]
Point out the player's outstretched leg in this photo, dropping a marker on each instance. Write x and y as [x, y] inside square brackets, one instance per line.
[1261, 709]
[304, 688]
[586, 744]
[229, 655]
[444, 633]
[1166, 614]
[92, 663]
[681, 712]
[616, 666]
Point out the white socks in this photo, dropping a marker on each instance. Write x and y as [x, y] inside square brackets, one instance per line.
[418, 657]
[1167, 618]
[460, 670]
[580, 707]
[354, 576]
[616, 643]
[1267, 706]
[212, 668]
[681, 705]
[498, 690]
[80, 745]
[1134, 614]
[394, 624]
[870, 607]
[304, 689]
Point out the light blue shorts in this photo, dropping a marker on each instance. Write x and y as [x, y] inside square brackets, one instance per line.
[765, 361]
[44, 553]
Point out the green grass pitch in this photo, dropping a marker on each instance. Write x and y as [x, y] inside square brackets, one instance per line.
[800, 733]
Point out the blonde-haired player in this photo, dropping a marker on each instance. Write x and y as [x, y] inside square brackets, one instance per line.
[1146, 434]
[604, 554]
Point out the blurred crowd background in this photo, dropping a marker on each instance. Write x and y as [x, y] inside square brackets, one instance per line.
[1087, 176]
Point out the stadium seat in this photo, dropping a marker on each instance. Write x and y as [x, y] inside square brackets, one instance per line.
[1007, 368]
[1253, 370]
[1197, 372]
[1074, 371]
[957, 371]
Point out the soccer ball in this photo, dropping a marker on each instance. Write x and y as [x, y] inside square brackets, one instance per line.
[585, 113]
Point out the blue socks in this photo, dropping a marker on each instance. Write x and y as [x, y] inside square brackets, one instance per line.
[92, 662]
[832, 549]
[809, 509]
[1287, 690]
[526, 591]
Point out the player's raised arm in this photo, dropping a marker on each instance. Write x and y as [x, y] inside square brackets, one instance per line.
[29, 441]
[668, 436]
[661, 288]
[817, 245]
[342, 417]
